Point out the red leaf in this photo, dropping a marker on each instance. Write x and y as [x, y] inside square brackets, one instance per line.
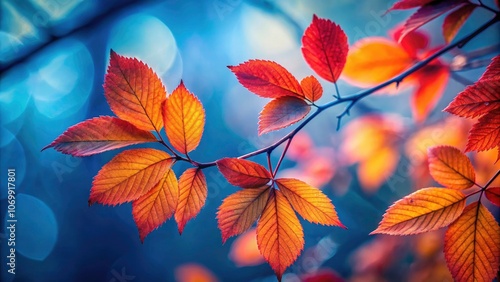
[156, 206]
[243, 173]
[240, 210]
[98, 135]
[184, 119]
[267, 79]
[493, 194]
[432, 81]
[413, 42]
[134, 92]
[129, 175]
[312, 88]
[192, 196]
[282, 112]
[428, 12]
[485, 134]
[409, 4]
[324, 47]
[455, 20]
[480, 98]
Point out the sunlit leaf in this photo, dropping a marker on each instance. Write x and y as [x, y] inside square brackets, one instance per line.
[424, 210]
[184, 119]
[282, 112]
[244, 173]
[493, 195]
[156, 206]
[485, 134]
[98, 135]
[377, 169]
[279, 233]
[267, 79]
[192, 196]
[240, 210]
[129, 175]
[245, 251]
[134, 92]
[451, 168]
[432, 81]
[472, 245]
[309, 202]
[455, 20]
[312, 88]
[324, 47]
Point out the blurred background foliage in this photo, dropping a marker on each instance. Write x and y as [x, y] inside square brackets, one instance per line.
[53, 57]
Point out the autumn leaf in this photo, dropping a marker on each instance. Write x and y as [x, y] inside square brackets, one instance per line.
[98, 135]
[282, 112]
[279, 233]
[324, 47]
[193, 272]
[377, 169]
[455, 20]
[424, 210]
[409, 4]
[267, 79]
[485, 134]
[451, 168]
[184, 119]
[493, 195]
[472, 245]
[192, 196]
[129, 175]
[157, 205]
[309, 202]
[243, 173]
[240, 210]
[245, 251]
[134, 92]
[432, 82]
[312, 88]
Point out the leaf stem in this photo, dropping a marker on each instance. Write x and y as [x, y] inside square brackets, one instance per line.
[491, 180]
[282, 156]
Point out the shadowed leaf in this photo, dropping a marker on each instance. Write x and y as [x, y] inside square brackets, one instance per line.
[243, 173]
[455, 20]
[282, 112]
[493, 195]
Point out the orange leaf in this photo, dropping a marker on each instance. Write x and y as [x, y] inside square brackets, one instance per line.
[432, 81]
[428, 12]
[184, 119]
[451, 168]
[98, 135]
[312, 88]
[485, 134]
[493, 194]
[245, 251]
[455, 20]
[472, 245]
[156, 206]
[282, 112]
[192, 272]
[129, 175]
[279, 233]
[309, 202]
[424, 210]
[480, 98]
[373, 171]
[134, 92]
[324, 47]
[374, 60]
[243, 173]
[240, 210]
[267, 79]
[192, 196]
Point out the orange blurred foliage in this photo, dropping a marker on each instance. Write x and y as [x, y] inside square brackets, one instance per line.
[193, 272]
[245, 251]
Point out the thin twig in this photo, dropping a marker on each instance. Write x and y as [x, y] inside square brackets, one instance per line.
[282, 157]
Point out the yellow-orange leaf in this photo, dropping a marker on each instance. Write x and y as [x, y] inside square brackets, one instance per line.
[279, 234]
[184, 119]
[377, 169]
[282, 112]
[493, 194]
[129, 175]
[192, 196]
[312, 88]
[134, 92]
[472, 245]
[374, 60]
[424, 210]
[156, 206]
[309, 202]
[243, 173]
[432, 81]
[240, 210]
[450, 167]
[245, 251]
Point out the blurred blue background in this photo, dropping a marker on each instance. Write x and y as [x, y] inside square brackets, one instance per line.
[53, 57]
